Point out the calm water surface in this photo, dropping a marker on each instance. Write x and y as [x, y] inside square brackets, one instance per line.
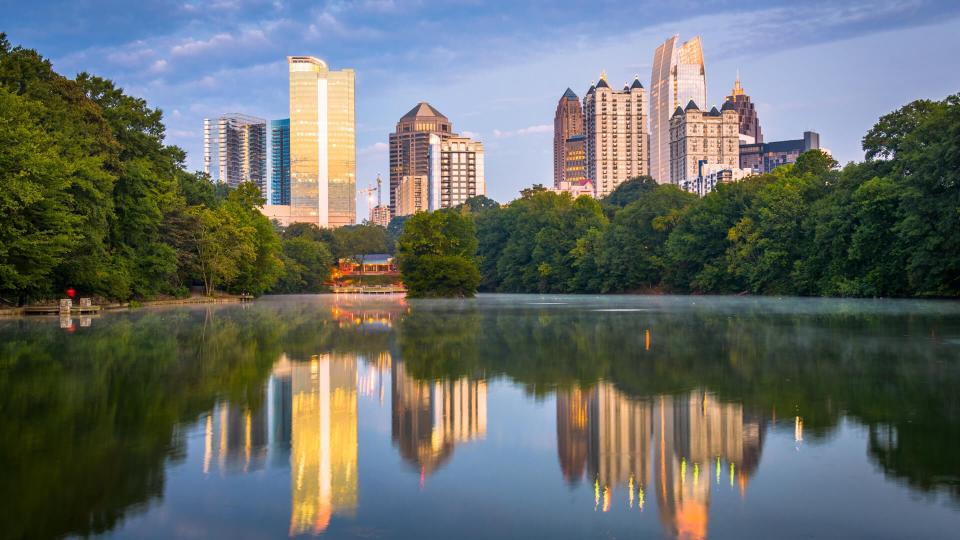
[500, 417]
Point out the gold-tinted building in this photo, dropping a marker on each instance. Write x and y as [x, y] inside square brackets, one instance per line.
[323, 156]
[567, 123]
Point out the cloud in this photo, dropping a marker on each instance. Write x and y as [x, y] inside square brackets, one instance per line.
[374, 149]
[530, 130]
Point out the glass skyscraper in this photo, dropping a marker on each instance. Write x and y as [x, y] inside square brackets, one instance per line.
[323, 156]
[678, 77]
[235, 150]
[280, 161]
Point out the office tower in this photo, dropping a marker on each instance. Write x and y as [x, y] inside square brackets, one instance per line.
[411, 195]
[235, 150]
[750, 132]
[280, 161]
[575, 159]
[410, 145]
[567, 123]
[323, 158]
[678, 77]
[615, 124]
[698, 139]
[455, 171]
[762, 158]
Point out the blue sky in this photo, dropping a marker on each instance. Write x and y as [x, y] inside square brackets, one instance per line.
[497, 69]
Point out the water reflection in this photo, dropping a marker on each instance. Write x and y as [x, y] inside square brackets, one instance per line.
[661, 413]
[622, 443]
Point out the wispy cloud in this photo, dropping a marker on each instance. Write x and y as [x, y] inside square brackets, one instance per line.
[530, 130]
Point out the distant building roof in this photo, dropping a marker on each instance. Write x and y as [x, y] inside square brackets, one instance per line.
[714, 112]
[784, 146]
[678, 111]
[569, 94]
[728, 106]
[423, 109]
[602, 83]
[636, 84]
[691, 106]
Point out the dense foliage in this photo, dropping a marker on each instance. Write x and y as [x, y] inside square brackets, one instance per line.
[437, 255]
[889, 226]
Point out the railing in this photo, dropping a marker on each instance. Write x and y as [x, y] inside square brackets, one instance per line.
[369, 289]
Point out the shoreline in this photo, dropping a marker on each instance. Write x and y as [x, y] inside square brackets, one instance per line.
[21, 311]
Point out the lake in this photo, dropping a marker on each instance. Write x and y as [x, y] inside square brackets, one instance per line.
[506, 416]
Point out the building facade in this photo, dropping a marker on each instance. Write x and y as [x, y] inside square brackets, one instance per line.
[567, 123]
[455, 172]
[280, 162]
[710, 176]
[750, 131]
[323, 158]
[411, 195]
[235, 150]
[380, 215]
[575, 160]
[762, 158]
[616, 140]
[678, 77]
[410, 146]
[700, 138]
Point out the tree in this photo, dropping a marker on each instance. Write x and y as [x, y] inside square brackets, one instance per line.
[306, 266]
[358, 241]
[437, 255]
[634, 244]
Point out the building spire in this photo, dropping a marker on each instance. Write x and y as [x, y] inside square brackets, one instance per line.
[737, 89]
[603, 74]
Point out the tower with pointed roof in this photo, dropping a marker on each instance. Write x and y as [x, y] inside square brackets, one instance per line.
[567, 123]
[747, 114]
[701, 139]
[615, 129]
[410, 148]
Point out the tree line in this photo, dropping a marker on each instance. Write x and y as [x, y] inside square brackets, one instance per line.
[93, 199]
[886, 227]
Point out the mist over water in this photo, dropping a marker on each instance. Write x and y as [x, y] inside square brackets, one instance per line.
[506, 416]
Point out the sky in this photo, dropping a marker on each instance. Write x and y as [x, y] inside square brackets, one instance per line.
[497, 69]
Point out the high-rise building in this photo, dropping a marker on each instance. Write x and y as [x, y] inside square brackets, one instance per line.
[412, 195]
[235, 150]
[280, 162]
[380, 215]
[567, 123]
[455, 172]
[762, 158]
[575, 160]
[700, 138]
[410, 145]
[617, 143]
[323, 157]
[678, 77]
[749, 121]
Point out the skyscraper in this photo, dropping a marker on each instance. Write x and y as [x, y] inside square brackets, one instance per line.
[410, 145]
[750, 132]
[235, 150]
[280, 161]
[678, 77]
[617, 142]
[323, 157]
[698, 139]
[455, 172]
[567, 123]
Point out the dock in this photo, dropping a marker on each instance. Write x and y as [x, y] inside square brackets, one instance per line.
[369, 289]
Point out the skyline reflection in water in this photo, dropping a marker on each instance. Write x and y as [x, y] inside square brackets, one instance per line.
[358, 418]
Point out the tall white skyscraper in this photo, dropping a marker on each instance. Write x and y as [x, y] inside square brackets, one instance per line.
[678, 77]
[235, 150]
[455, 171]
